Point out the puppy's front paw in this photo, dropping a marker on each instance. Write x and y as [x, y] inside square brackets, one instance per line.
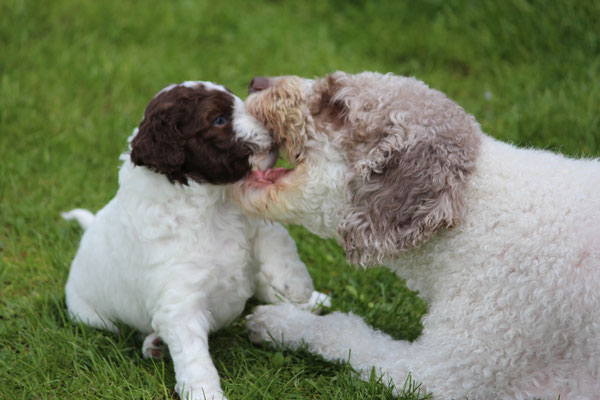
[199, 393]
[296, 289]
[282, 324]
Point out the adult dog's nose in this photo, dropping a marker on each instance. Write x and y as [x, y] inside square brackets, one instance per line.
[258, 83]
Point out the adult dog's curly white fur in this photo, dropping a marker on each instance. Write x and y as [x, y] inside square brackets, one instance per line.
[171, 254]
[503, 243]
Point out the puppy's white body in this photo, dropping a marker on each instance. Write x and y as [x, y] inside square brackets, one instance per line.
[179, 261]
[513, 288]
[167, 239]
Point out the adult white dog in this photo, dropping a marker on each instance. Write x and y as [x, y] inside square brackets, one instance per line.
[503, 243]
[171, 254]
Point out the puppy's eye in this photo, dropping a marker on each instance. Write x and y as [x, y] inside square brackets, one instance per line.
[220, 121]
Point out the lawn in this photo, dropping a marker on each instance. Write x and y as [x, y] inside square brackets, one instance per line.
[76, 75]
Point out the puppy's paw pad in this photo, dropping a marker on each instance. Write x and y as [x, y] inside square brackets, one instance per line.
[154, 347]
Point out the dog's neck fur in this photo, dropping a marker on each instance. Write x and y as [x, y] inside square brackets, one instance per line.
[140, 183]
[511, 182]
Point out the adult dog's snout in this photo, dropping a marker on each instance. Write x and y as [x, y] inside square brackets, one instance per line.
[258, 83]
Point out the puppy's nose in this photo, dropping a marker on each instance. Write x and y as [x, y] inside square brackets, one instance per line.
[258, 83]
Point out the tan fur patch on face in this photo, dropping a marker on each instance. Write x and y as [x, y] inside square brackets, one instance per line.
[281, 108]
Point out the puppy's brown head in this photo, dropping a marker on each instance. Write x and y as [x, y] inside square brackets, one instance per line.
[187, 132]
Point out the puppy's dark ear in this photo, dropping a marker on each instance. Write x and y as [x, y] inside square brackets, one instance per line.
[159, 144]
[407, 187]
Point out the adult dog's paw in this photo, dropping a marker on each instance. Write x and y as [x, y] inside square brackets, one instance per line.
[282, 324]
[261, 324]
[317, 302]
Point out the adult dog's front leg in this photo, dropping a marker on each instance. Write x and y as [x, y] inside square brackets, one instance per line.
[342, 337]
[336, 337]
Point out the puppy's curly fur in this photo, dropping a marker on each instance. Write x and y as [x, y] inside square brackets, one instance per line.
[503, 243]
[171, 254]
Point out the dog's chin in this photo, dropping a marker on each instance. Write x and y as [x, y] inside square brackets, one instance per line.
[264, 178]
[264, 174]
[268, 190]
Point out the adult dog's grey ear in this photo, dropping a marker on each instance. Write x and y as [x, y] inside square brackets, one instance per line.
[408, 186]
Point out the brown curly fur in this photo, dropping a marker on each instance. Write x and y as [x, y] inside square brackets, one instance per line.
[177, 137]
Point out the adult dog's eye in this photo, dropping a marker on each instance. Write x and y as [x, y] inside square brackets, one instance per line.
[220, 121]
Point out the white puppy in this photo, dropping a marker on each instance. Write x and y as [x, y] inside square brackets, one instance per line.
[503, 243]
[170, 254]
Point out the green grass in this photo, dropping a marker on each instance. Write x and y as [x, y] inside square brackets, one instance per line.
[75, 76]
